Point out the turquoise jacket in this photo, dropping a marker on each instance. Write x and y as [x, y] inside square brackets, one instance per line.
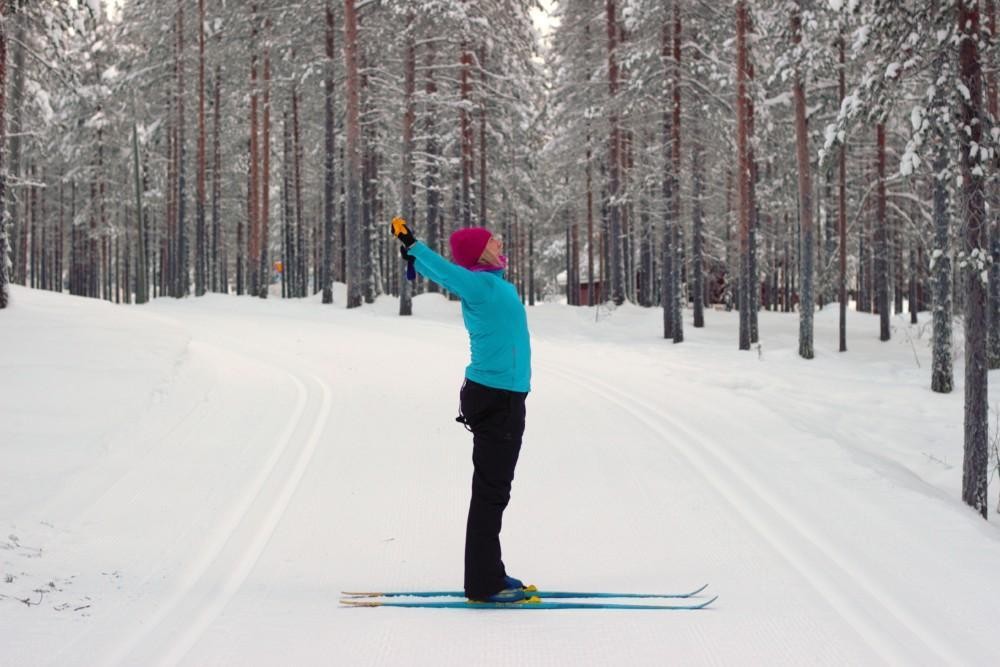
[494, 317]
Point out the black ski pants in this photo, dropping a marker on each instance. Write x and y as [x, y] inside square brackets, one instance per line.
[496, 419]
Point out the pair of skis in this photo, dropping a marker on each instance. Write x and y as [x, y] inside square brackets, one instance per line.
[537, 599]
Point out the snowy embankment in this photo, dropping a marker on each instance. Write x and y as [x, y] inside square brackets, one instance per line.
[195, 481]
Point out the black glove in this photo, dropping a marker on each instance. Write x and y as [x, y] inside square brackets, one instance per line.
[411, 272]
[402, 232]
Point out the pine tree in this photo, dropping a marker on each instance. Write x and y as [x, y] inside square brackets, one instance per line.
[975, 260]
[353, 223]
[182, 284]
[743, 172]
[409, 115]
[329, 146]
[200, 273]
[4, 245]
[617, 258]
[805, 196]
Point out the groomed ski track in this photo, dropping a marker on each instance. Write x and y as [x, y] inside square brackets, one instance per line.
[319, 455]
[888, 629]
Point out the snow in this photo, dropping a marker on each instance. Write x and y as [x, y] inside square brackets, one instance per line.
[781, 99]
[42, 99]
[194, 481]
[910, 161]
[964, 90]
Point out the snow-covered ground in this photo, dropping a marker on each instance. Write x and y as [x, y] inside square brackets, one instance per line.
[195, 481]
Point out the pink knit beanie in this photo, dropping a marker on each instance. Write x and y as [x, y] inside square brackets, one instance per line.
[467, 245]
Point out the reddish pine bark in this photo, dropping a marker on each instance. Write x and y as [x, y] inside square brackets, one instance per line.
[253, 228]
[181, 285]
[299, 285]
[355, 280]
[220, 273]
[465, 128]
[743, 172]
[324, 264]
[482, 138]
[199, 272]
[264, 212]
[614, 160]
[409, 116]
[881, 236]
[675, 132]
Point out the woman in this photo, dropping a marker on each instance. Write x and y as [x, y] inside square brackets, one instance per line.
[492, 398]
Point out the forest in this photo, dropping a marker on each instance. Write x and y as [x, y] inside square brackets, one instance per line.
[787, 155]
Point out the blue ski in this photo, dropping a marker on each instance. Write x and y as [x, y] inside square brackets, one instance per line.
[530, 589]
[533, 603]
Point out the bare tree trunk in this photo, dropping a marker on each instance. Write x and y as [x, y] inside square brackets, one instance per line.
[61, 236]
[298, 235]
[806, 301]
[287, 242]
[141, 286]
[168, 243]
[265, 178]
[15, 273]
[182, 240]
[866, 270]
[355, 278]
[668, 288]
[942, 374]
[882, 237]
[573, 276]
[4, 244]
[253, 223]
[993, 344]
[242, 242]
[698, 225]
[974, 478]
[465, 128]
[743, 173]
[753, 279]
[94, 255]
[482, 139]
[369, 245]
[32, 226]
[106, 257]
[409, 114]
[200, 245]
[590, 225]
[220, 273]
[842, 202]
[628, 243]
[677, 297]
[329, 191]
[531, 263]
[617, 267]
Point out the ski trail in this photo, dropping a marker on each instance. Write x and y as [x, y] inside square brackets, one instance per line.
[760, 508]
[264, 531]
[224, 536]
